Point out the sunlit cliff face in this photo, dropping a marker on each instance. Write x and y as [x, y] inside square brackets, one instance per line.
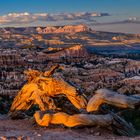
[65, 29]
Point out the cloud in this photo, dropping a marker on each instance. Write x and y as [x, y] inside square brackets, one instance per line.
[135, 20]
[21, 18]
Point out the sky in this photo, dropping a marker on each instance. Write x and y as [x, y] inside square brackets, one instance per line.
[111, 6]
[55, 12]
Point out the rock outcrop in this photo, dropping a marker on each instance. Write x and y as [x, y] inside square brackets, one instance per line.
[69, 52]
[64, 29]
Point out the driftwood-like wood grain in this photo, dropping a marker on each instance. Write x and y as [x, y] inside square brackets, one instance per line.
[113, 98]
[118, 124]
[73, 120]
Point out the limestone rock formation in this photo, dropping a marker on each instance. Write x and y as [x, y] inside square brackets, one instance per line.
[72, 51]
[64, 29]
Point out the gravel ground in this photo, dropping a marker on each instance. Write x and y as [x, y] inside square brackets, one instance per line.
[25, 130]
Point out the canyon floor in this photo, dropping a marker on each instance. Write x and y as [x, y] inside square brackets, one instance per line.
[25, 130]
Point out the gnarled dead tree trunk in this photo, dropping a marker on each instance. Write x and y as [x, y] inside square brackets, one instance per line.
[113, 98]
[72, 120]
[118, 124]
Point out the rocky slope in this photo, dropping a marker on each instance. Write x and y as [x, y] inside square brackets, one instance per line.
[69, 52]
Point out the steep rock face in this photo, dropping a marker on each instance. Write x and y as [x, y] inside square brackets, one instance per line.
[64, 29]
[73, 51]
[4, 31]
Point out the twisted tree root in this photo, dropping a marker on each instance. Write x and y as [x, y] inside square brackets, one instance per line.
[118, 124]
[113, 98]
[72, 120]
